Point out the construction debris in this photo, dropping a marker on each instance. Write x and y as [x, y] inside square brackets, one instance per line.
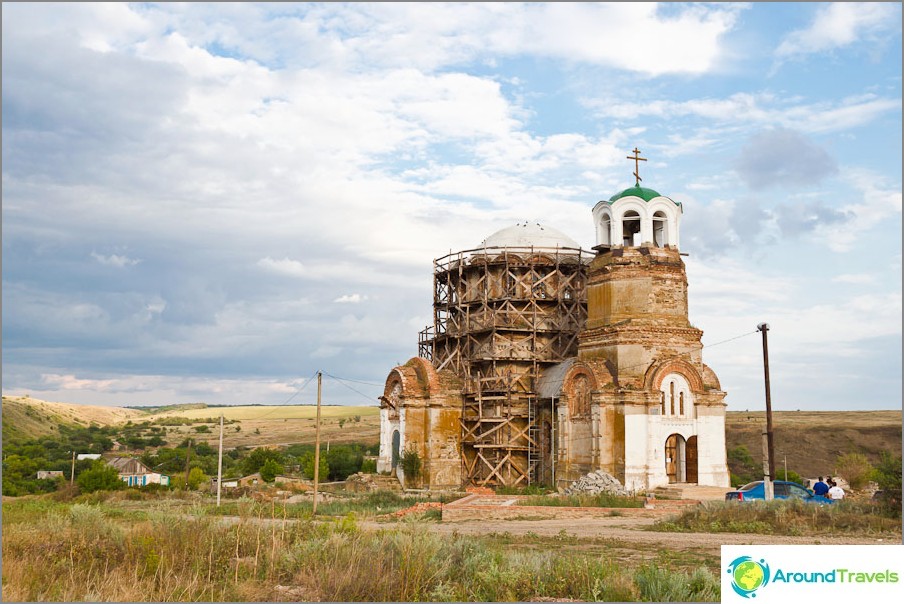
[596, 483]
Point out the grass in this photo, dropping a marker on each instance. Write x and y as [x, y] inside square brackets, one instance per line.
[79, 551]
[781, 517]
[367, 505]
[601, 500]
[273, 412]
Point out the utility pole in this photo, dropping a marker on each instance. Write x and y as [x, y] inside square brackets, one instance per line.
[220, 461]
[187, 458]
[768, 444]
[317, 443]
[72, 473]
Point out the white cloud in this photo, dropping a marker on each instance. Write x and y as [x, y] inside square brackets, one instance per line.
[879, 202]
[744, 110]
[115, 260]
[856, 279]
[840, 24]
[350, 299]
[286, 266]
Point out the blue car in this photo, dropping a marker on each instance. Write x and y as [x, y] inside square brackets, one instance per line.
[781, 489]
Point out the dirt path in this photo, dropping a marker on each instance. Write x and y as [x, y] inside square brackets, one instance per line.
[631, 531]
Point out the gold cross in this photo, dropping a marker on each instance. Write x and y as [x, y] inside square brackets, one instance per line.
[637, 159]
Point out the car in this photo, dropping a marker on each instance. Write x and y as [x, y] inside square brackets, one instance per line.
[781, 489]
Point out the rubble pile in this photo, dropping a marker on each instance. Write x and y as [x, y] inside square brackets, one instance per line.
[595, 483]
[361, 482]
[418, 508]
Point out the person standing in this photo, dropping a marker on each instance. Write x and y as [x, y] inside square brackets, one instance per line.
[836, 493]
[820, 488]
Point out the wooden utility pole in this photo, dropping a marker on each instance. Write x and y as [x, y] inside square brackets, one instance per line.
[72, 473]
[768, 444]
[220, 462]
[187, 459]
[317, 443]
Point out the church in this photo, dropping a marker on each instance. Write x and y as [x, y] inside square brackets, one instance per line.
[546, 361]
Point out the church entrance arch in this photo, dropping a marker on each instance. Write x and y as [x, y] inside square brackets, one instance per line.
[396, 442]
[676, 458]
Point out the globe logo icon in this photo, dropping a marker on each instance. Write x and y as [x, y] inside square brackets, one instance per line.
[748, 575]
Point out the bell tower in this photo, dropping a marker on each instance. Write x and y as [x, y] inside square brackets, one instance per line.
[665, 411]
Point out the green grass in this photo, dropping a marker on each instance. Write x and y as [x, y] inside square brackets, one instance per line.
[781, 517]
[376, 503]
[602, 500]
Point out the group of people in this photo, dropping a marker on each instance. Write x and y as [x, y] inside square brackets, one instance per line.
[831, 490]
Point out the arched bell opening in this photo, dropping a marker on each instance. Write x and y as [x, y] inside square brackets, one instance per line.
[660, 229]
[631, 229]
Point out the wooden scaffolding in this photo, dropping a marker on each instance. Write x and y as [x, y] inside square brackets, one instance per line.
[500, 316]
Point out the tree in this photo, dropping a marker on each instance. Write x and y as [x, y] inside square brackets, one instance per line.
[196, 477]
[855, 468]
[99, 477]
[307, 466]
[270, 470]
[256, 460]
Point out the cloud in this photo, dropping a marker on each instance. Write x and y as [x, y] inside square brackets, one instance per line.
[856, 279]
[841, 24]
[350, 299]
[286, 266]
[743, 110]
[115, 260]
[781, 158]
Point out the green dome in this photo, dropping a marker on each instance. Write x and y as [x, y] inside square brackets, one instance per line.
[636, 191]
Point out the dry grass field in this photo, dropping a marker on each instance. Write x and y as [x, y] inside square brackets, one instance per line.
[25, 417]
[812, 440]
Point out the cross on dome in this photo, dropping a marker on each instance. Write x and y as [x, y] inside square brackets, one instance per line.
[637, 159]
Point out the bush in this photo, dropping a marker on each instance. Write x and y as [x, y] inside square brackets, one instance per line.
[196, 477]
[855, 468]
[270, 470]
[100, 477]
[369, 466]
[411, 465]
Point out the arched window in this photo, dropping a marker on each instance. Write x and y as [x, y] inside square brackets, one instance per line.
[662, 404]
[676, 388]
[606, 230]
[631, 228]
[580, 396]
[660, 229]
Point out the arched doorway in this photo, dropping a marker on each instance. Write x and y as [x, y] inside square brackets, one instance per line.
[676, 458]
[396, 443]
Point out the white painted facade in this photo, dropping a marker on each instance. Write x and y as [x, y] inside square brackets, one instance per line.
[658, 219]
[388, 426]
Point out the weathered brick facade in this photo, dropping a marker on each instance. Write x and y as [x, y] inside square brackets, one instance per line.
[636, 400]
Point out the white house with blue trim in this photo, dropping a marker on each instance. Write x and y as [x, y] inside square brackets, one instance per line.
[136, 474]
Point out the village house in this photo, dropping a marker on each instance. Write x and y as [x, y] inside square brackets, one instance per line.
[136, 474]
[49, 474]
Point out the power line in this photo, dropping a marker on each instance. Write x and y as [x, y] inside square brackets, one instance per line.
[342, 381]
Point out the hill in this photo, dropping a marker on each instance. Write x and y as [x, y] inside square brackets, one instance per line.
[25, 418]
[811, 441]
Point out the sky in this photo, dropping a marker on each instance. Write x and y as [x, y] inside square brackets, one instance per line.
[212, 202]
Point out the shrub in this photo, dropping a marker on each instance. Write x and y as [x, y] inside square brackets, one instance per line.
[855, 468]
[411, 465]
[270, 470]
[369, 466]
[100, 477]
[196, 477]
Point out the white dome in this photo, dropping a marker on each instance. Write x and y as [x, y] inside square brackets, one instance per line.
[529, 234]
